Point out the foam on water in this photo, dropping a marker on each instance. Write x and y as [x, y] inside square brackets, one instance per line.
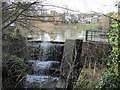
[33, 81]
[42, 64]
[41, 67]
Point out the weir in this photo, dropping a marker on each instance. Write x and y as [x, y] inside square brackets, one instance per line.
[46, 59]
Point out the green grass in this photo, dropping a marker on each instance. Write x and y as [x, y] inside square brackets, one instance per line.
[88, 26]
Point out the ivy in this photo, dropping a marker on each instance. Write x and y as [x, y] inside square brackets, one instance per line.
[111, 79]
[114, 39]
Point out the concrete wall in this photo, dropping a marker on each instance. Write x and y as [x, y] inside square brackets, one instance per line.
[95, 52]
[71, 62]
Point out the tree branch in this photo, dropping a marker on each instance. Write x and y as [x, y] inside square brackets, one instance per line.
[18, 15]
[61, 8]
[38, 19]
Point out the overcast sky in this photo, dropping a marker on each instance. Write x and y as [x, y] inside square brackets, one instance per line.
[85, 6]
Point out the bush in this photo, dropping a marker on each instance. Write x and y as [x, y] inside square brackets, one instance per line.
[14, 59]
[15, 44]
[14, 70]
[109, 81]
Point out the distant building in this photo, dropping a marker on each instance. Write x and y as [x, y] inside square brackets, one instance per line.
[55, 15]
[72, 18]
[102, 19]
[95, 19]
[89, 18]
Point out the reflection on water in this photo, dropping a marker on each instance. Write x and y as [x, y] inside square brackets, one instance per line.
[67, 33]
[59, 35]
[39, 36]
[81, 35]
[46, 37]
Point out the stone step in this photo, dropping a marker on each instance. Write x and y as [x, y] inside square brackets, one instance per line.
[33, 81]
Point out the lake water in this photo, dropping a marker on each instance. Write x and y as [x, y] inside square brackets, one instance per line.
[58, 35]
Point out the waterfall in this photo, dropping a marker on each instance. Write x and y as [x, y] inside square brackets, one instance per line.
[41, 81]
[45, 70]
[42, 67]
[44, 51]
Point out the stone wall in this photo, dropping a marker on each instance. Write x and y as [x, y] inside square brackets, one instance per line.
[95, 52]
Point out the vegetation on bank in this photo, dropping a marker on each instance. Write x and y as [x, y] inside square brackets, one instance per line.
[14, 67]
[110, 78]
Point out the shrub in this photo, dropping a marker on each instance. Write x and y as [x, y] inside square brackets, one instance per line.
[109, 81]
[14, 59]
[15, 44]
[14, 70]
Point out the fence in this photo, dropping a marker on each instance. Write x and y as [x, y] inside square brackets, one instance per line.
[96, 35]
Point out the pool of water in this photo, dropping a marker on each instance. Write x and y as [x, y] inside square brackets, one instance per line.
[58, 35]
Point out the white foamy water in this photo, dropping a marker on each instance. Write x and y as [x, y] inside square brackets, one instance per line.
[33, 81]
[42, 64]
[44, 51]
[41, 67]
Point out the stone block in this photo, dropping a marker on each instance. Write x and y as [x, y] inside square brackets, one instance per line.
[71, 63]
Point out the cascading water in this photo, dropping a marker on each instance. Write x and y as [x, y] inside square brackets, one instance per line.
[41, 81]
[42, 67]
[45, 68]
[44, 51]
